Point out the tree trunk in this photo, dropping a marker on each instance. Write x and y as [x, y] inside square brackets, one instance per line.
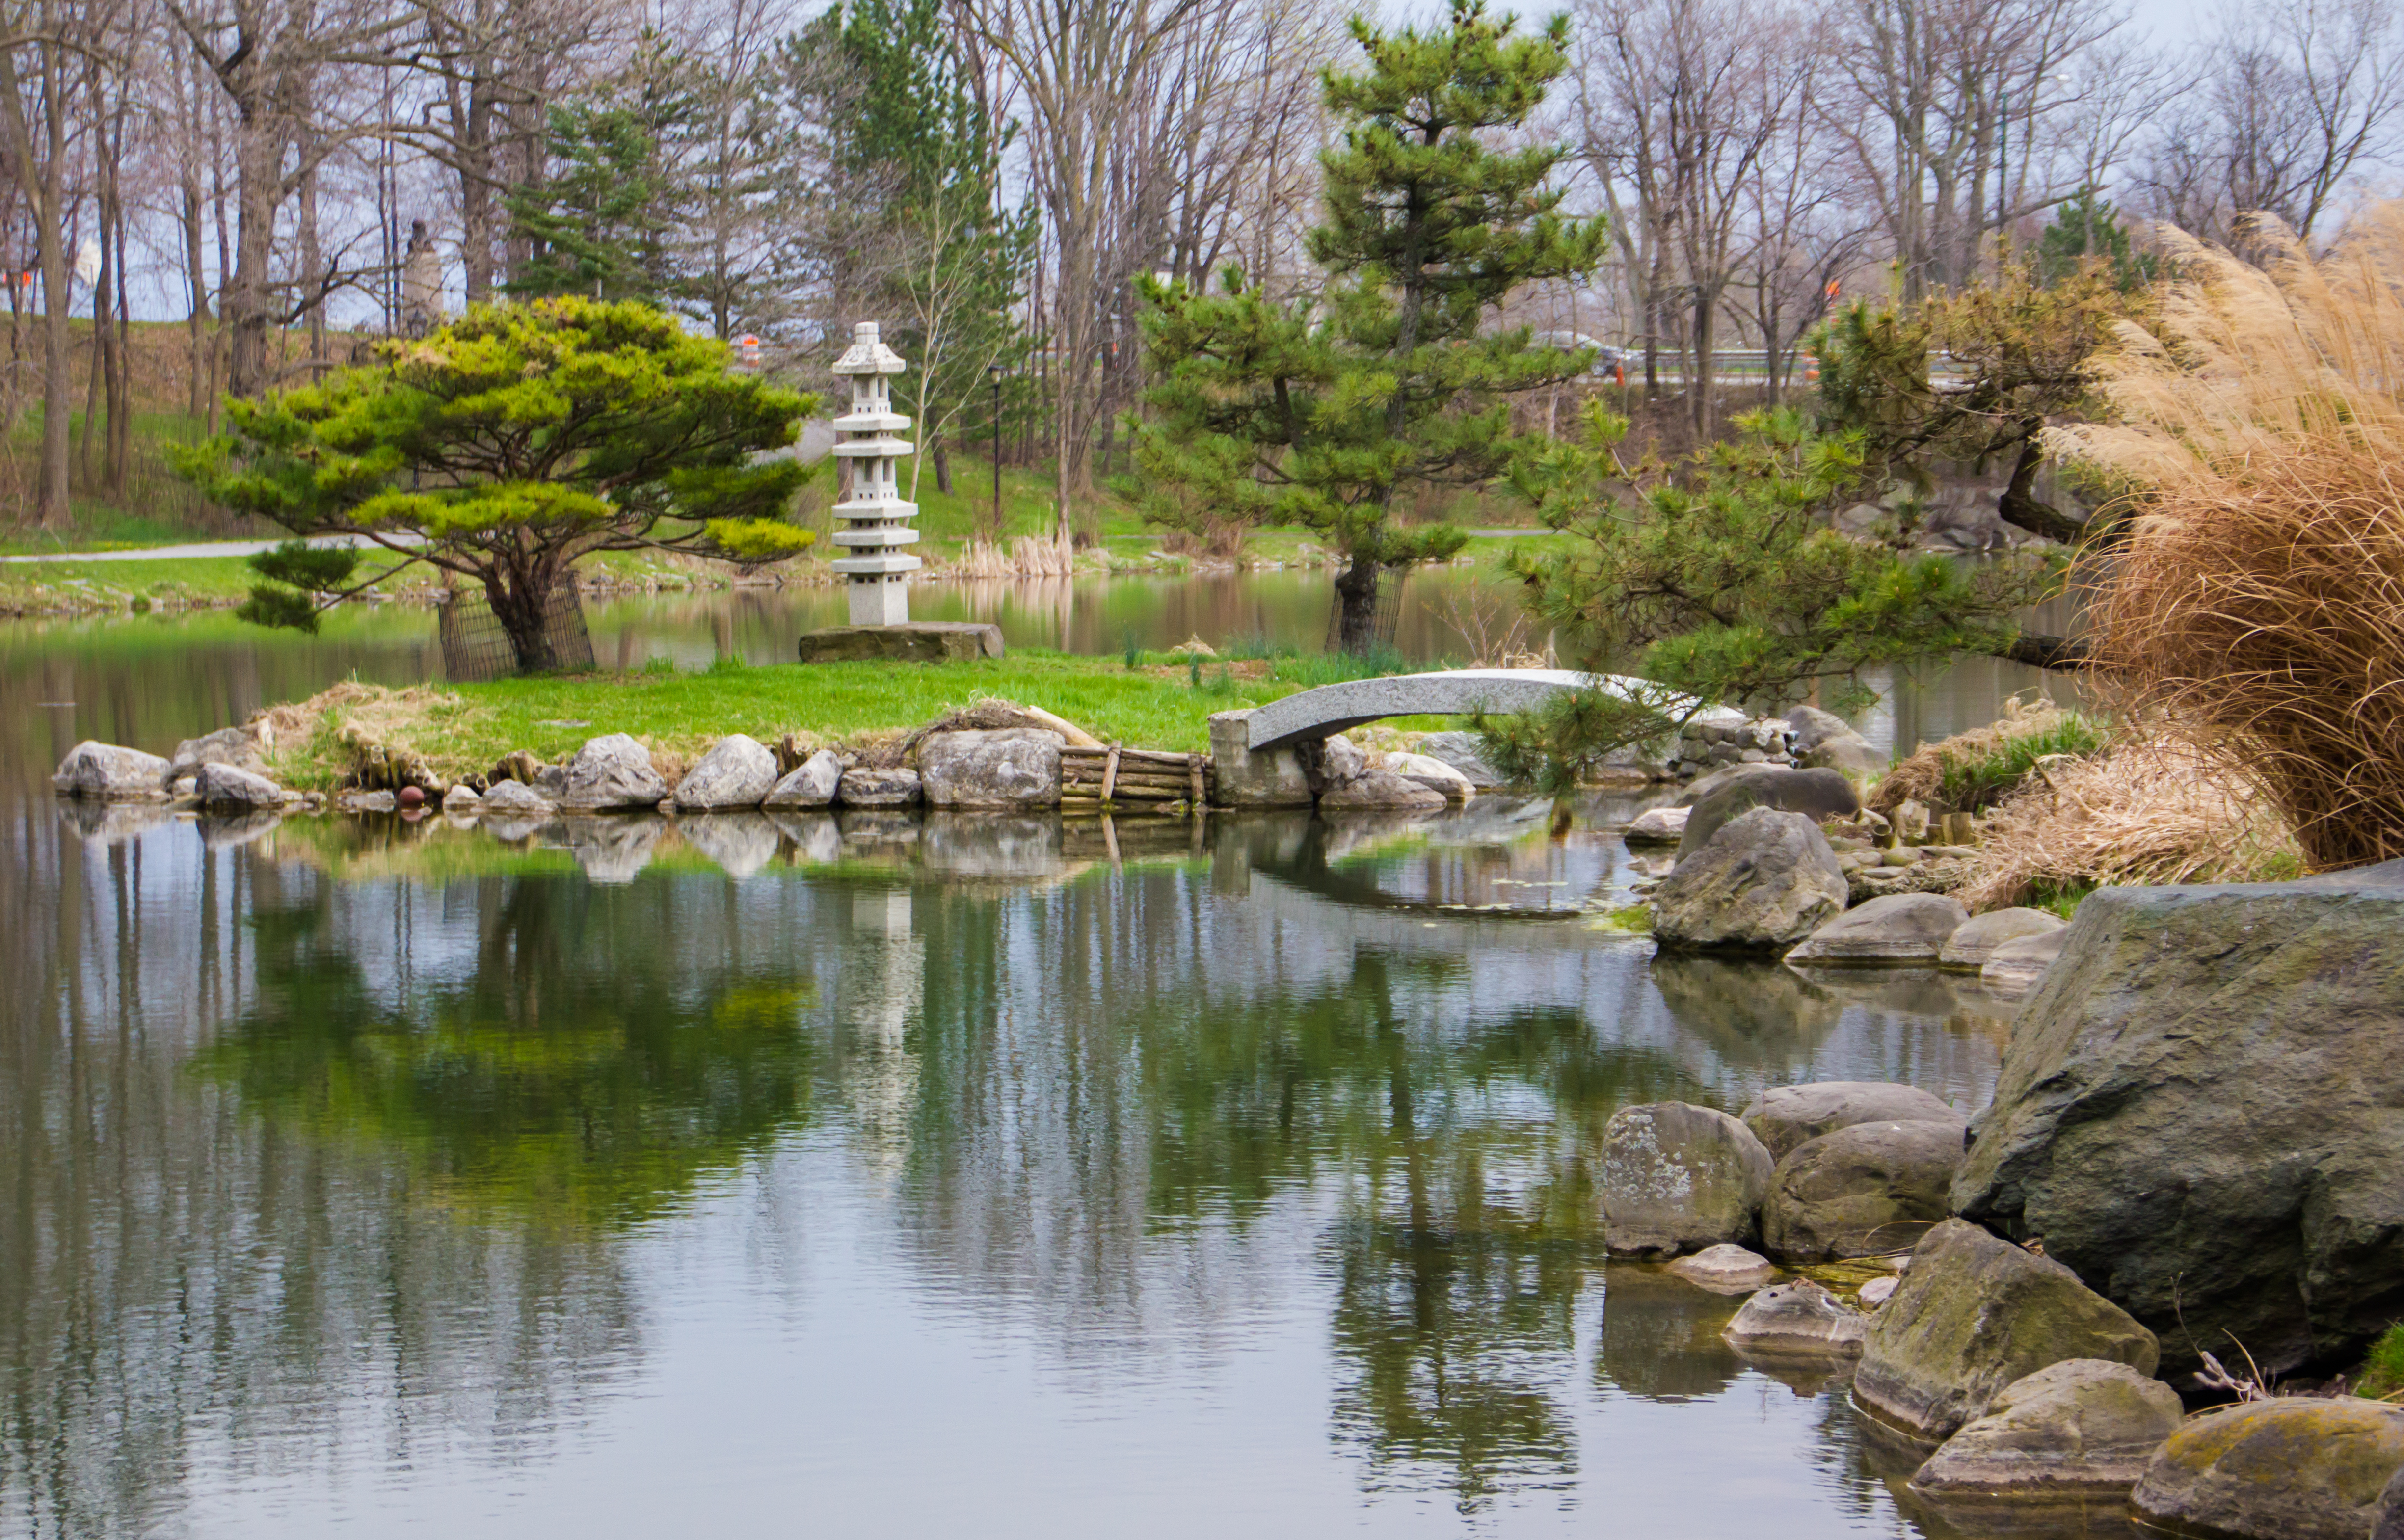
[943, 468]
[519, 600]
[2050, 652]
[2018, 505]
[1356, 601]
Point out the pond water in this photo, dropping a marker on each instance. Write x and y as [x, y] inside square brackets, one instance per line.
[869, 1176]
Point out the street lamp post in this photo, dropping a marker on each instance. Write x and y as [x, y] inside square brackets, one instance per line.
[994, 373]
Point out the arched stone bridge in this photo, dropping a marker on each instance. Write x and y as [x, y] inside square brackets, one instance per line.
[1310, 714]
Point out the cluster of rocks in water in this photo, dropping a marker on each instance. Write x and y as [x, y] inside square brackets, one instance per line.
[2192, 1147]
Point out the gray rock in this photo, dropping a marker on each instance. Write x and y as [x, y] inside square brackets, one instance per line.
[864, 788]
[108, 773]
[740, 842]
[1974, 1315]
[1012, 769]
[610, 772]
[1379, 789]
[1852, 756]
[463, 800]
[1657, 826]
[1786, 1118]
[1967, 949]
[2300, 1468]
[1340, 759]
[1816, 794]
[551, 781]
[1800, 1317]
[1726, 1266]
[236, 746]
[736, 772]
[2198, 1113]
[1273, 777]
[1813, 727]
[1764, 881]
[1464, 752]
[230, 788]
[2085, 1427]
[1860, 1190]
[916, 641]
[2390, 1524]
[2015, 967]
[1898, 928]
[812, 785]
[1434, 774]
[1877, 1292]
[514, 799]
[1675, 1177]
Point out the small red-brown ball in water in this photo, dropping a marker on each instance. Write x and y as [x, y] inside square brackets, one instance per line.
[413, 796]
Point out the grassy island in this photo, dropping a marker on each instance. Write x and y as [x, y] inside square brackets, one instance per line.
[1152, 700]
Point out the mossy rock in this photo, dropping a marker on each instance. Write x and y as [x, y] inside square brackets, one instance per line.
[2294, 1469]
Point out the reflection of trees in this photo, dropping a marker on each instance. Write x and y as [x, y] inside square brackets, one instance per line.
[573, 1079]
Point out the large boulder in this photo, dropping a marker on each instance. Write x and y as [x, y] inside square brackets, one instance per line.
[1434, 774]
[231, 788]
[236, 746]
[1764, 881]
[1004, 771]
[1813, 727]
[1676, 1177]
[735, 775]
[1817, 795]
[812, 785]
[1860, 1191]
[1896, 928]
[2292, 1469]
[1463, 751]
[2199, 1113]
[2082, 1428]
[2390, 1524]
[1976, 1313]
[1380, 790]
[861, 787]
[1967, 949]
[609, 772]
[105, 772]
[1785, 1117]
[1797, 1317]
[1825, 741]
[1657, 826]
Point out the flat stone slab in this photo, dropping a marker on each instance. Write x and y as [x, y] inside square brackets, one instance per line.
[919, 641]
[1444, 692]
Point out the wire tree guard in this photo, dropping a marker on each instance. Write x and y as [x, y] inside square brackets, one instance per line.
[475, 647]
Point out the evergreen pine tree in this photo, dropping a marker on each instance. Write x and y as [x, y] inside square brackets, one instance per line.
[1324, 411]
[2089, 226]
[602, 223]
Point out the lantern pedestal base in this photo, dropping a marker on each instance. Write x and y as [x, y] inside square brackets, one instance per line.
[919, 641]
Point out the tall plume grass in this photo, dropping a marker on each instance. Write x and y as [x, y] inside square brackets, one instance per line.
[2258, 601]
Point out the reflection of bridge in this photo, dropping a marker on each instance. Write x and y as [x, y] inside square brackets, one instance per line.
[1446, 693]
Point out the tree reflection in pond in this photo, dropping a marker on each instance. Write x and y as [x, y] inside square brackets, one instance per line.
[573, 1080]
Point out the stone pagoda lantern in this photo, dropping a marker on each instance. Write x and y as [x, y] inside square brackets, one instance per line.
[878, 562]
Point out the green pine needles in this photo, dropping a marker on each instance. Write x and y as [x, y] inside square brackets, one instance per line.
[1324, 410]
[505, 446]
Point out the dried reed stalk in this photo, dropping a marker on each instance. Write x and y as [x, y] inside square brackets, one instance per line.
[2147, 811]
[2259, 600]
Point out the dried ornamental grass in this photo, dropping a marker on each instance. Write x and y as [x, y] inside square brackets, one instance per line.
[2258, 599]
[2149, 811]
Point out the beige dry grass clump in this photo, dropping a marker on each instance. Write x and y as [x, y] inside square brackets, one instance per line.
[2259, 599]
[2146, 810]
